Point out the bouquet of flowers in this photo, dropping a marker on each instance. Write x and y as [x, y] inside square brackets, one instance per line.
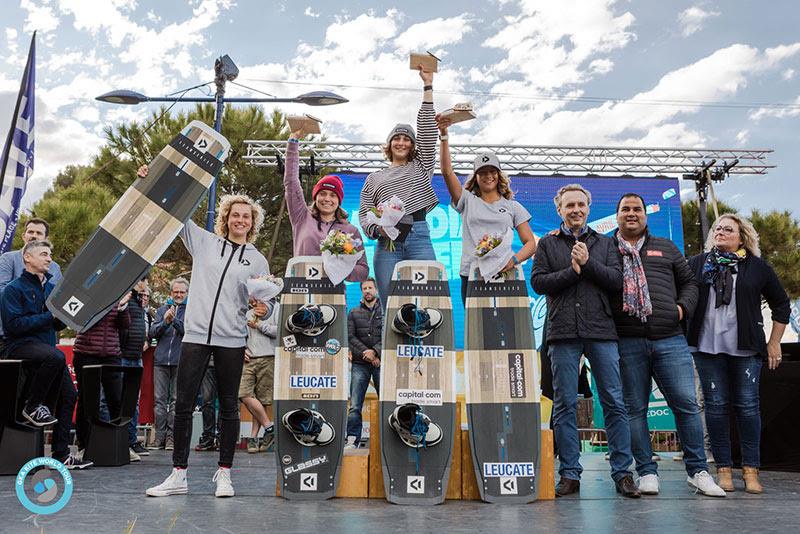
[264, 287]
[339, 255]
[386, 215]
[493, 252]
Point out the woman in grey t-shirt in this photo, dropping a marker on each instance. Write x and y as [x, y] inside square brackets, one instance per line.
[486, 204]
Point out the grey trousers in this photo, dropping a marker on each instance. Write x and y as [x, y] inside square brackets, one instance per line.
[165, 389]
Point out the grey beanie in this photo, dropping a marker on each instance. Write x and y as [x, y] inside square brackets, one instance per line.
[485, 159]
[402, 129]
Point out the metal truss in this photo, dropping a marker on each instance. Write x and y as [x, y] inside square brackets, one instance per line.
[688, 163]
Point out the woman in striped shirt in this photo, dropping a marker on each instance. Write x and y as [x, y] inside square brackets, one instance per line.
[412, 158]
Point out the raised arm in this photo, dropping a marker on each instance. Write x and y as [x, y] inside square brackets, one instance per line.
[450, 178]
[426, 124]
[295, 201]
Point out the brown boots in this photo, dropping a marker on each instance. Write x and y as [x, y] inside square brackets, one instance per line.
[725, 478]
[751, 482]
[749, 474]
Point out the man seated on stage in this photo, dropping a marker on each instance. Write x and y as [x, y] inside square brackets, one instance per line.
[11, 265]
[30, 331]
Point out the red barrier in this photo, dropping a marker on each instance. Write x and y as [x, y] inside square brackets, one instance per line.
[146, 392]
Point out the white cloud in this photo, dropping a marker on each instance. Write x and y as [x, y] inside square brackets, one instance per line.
[432, 33]
[777, 112]
[788, 74]
[40, 16]
[693, 19]
[310, 13]
[743, 137]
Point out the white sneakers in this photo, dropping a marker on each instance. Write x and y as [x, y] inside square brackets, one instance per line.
[223, 479]
[350, 443]
[134, 456]
[648, 485]
[703, 483]
[175, 484]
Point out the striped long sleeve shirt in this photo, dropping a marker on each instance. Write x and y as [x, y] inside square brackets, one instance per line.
[410, 182]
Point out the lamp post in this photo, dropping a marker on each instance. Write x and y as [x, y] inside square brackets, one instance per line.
[224, 71]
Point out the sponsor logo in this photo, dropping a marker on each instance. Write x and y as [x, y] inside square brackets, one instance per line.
[73, 306]
[307, 352]
[419, 277]
[312, 382]
[423, 397]
[313, 273]
[308, 482]
[289, 341]
[202, 143]
[657, 253]
[415, 484]
[298, 290]
[308, 464]
[44, 486]
[420, 351]
[512, 469]
[333, 347]
[286, 459]
[516, 375]
[508, 486]
[309, 395]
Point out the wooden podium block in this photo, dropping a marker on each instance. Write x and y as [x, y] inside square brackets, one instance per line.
[547, 474]
[375, 472]
[469, 484]
[353, 477]
[456, 467]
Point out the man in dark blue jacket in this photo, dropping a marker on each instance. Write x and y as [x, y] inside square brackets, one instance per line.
[167, 330]
[30, 331]
[577, 268]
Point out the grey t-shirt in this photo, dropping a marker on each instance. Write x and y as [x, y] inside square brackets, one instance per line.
[479, 218]
[720, 334]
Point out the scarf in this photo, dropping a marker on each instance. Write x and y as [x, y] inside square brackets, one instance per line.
[718, 271]
[567, 231]
[635, 294]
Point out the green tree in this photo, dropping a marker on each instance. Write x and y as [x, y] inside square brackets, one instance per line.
[779, 238]
[690, 215]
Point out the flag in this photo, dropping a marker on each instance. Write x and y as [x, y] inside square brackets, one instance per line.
[16, 164]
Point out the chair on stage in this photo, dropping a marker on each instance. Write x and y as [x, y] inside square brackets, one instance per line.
[108, 440]
[19, 440]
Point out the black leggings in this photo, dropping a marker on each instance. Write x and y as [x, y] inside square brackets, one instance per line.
[228, 364]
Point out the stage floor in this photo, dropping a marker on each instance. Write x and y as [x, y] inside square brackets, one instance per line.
[112, 499]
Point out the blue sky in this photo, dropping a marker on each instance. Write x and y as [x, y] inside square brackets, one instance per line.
[729, 52]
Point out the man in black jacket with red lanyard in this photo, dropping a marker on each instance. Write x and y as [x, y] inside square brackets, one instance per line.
[577, 268]
[658, 292]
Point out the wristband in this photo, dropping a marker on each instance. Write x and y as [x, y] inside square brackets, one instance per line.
[428, 88]
[515, 260]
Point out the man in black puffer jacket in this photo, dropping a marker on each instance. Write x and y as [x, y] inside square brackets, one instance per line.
[577, 268]
[132, 343]
[659, 291]
[364, 328]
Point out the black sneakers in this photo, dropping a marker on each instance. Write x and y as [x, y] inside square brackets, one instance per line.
[76, 462]
[308, 427]
[414, 427]
[311, 320]
[39, 415]
[140, 449]
[206, 444]
[416, 322]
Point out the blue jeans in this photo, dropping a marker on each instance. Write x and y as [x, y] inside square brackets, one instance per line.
[732, 381]
[417, 246]
[359, 382]
[132, 437]
[669, 362]
[565, 357]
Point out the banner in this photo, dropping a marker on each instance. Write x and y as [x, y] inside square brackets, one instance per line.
[16, 162]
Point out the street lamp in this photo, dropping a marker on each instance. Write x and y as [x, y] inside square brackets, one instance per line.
[224, 71]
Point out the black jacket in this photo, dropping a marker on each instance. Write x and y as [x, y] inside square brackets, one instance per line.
[671, 284]
[755, 279]
[577, 304]
[364, 328]
[169, 335]
[132, 340]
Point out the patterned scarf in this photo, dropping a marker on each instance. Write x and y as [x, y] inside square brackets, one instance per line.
[635, 294]
[718, 271]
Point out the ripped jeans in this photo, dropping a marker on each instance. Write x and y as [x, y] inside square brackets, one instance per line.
[732, 381]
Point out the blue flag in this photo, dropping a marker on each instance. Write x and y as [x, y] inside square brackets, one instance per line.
[16, 165]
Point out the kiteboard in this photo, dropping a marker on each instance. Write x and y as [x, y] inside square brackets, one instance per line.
[140, 227]
[502, 387]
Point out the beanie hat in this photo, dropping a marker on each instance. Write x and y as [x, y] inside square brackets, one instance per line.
[330, 182]
[402, 129]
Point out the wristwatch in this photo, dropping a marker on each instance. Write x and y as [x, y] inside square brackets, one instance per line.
[444, 137]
